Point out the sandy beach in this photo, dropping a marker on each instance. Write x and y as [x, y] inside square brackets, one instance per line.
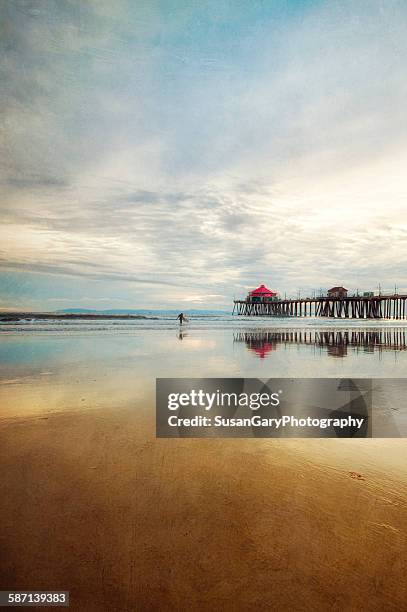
[94, 504]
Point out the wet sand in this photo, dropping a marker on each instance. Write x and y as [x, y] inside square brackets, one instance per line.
[92, 503]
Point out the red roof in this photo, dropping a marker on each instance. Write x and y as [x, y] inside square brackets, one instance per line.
[262, 291]
[337, 289]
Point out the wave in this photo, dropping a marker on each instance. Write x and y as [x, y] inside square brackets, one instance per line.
[167, 321]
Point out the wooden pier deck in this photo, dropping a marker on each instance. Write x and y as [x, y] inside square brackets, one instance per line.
[355, 307]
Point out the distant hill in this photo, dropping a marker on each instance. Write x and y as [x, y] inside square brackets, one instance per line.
[118, 311]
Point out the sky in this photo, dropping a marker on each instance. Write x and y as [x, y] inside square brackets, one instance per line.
[174, 154]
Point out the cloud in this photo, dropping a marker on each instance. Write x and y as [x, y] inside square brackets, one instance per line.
[205, 149]
[76, 271]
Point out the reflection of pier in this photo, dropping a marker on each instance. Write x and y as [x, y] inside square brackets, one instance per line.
[355, 307]
[336, 342]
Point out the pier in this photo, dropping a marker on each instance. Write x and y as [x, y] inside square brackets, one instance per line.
[354, 307]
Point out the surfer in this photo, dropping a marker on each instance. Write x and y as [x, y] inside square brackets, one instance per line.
[181, 318]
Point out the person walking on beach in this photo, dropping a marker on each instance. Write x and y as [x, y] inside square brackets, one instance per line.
[181, 318]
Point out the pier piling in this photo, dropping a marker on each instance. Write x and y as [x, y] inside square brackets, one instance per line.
[356, 307]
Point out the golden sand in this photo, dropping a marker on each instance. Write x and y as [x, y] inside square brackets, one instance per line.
[92, 503]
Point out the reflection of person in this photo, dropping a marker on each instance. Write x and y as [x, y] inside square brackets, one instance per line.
[181, 318]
